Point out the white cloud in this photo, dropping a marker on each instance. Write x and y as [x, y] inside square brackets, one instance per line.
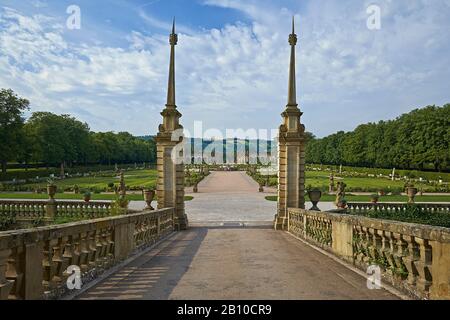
[236, 76]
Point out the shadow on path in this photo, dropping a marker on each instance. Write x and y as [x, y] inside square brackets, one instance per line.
[154, 275]
[235, 263]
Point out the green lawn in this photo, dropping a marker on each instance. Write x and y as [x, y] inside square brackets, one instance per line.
[321, 180]
[134, 178]
[72, 196]
[350, 198]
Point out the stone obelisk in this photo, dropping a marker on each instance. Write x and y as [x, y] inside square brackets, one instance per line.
[291, 150]
[170, 182]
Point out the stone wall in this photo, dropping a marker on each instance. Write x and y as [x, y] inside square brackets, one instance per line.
[413, 258]
[34, 262]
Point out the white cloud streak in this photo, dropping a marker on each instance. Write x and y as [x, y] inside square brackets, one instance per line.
[236, 76]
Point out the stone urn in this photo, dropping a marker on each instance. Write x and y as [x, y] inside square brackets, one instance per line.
[87, 197]
[411, 192]
[374, 198]
[51, 191]
[342, 204]
[261, 187]
[149, 195]
[314, 196]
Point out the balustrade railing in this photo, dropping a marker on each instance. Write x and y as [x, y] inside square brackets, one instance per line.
[415, 258]
[34, 262]
[80, 209]
[396, 207]
[25, 211]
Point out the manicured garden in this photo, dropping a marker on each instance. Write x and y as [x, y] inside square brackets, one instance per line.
[413, 214]
[367, 198]
[366, 180]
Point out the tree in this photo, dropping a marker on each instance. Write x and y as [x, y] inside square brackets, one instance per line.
[418, 139]
[59, 139]
[11, 124]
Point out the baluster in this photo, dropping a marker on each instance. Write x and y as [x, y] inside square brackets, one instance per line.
[383, 247]
[68, 256]
[72, 210]
[14, 273]
[412, 254]
[110, 245]
[399, 255]
[376, 247]
[390, 246]
[155, 228]
[92, 245]
[79, 211]
[424, 265]
[103, 246]
[367, 244]
[101, 210]
[5, 284]
[48, 265]
[95, 211]
[74, 249]
[147, 231]
[59, 264]
[84, 252]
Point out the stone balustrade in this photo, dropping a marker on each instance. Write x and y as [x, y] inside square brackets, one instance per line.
[83, 209]
[47, 211]
[34, 262]
[397, 207]
[414, 258]
[23, 209]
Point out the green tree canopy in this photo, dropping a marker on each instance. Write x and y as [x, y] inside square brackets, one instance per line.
[415, 140]
[11, 124]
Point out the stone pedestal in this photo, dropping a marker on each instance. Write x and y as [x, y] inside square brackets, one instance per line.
[170, 182]
[291, 166]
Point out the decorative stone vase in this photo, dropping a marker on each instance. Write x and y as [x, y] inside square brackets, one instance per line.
[374, 198]
[51, 191]
[87, 197]
[411, 192]
[315, 195]
[342, 205]
[261, 187]
[149, 195]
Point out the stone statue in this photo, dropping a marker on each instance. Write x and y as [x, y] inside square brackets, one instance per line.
[340, 195]
[331, 186]
[122, 188]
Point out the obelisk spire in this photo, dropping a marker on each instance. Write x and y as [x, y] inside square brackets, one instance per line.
[173, 40]
[292, 93]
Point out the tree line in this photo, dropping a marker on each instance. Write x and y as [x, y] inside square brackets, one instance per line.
[416, 140]
[62, 140]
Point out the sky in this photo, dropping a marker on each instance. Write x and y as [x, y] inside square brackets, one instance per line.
[232, 61]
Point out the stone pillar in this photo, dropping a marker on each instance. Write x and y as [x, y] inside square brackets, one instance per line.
[291, 151]
[291, 173]
[170, 187]
[169, 141]
[51, 210]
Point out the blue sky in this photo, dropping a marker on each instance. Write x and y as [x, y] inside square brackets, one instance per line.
[232, 60]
